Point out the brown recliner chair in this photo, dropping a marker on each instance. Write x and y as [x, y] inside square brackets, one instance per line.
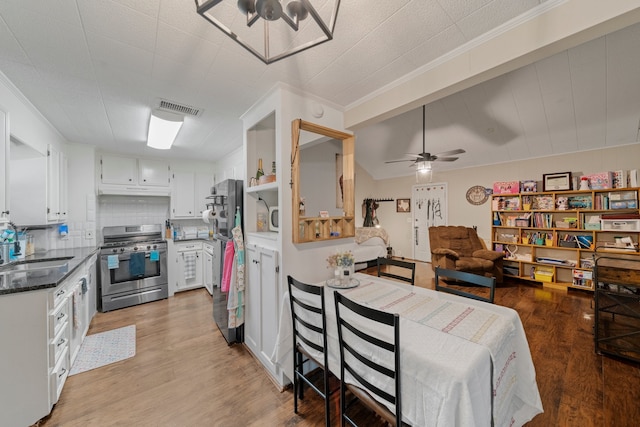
[460, 248]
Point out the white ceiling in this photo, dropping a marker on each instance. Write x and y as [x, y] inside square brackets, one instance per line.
[96, 68]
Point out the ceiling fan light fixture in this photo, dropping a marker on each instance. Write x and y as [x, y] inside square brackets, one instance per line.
[423, 166]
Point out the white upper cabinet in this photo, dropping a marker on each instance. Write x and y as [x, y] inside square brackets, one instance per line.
[38, 185]
[4, 167]
[153, 172]
[188, 194]
[53, 184]
[183, 195]
[118, 170]
[131, 176]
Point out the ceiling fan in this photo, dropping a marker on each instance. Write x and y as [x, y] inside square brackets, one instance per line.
[423, 160]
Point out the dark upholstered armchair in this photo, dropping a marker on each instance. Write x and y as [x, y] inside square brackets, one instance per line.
[459, 248]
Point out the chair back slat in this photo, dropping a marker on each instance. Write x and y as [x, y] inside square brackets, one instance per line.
[468, 278]
[390, 262]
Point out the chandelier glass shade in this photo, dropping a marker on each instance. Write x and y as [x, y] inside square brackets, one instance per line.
[273, 29]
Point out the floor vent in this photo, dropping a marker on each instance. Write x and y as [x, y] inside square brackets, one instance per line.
[175, 107]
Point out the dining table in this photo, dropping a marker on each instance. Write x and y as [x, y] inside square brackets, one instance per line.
[463, 362]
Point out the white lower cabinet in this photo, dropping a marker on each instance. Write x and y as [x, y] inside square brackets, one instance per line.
[37, 341]
[262, 305]
[188, 262]
[208, 267]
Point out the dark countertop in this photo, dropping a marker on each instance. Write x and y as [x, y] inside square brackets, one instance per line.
[22, 281]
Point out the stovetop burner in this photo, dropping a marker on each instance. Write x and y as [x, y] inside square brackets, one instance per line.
[132, 237]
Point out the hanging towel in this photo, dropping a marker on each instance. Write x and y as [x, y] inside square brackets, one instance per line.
[76, 307]
[235, 303]
[113, 262]
[154, 256]
[84, 285]
[136, 264]
[189, 266]
[227, 267]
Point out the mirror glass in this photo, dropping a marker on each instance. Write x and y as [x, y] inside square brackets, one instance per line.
[321, 176]
[323, 183]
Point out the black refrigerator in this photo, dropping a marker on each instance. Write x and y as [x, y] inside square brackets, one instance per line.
[226, 200]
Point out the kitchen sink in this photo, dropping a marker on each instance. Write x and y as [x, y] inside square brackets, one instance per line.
[35, 264]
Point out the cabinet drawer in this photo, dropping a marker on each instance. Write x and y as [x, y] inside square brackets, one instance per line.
[183, 247]
[58, 317]
[59, 344]
[58, 376]
[57, 296]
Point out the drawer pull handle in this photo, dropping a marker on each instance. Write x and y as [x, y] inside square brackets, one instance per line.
[60, 316]
[60, 292]
[61, 374]
[61, 342]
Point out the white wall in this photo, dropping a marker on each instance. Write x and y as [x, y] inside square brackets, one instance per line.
[463, 213]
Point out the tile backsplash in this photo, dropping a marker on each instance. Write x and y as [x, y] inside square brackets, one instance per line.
[101, 212]
[131, 210]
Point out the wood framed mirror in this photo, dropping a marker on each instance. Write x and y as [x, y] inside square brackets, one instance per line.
[318, 222]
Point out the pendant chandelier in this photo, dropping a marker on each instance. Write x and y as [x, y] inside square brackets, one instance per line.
[272, 29]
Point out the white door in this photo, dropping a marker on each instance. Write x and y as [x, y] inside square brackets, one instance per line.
[429, 210]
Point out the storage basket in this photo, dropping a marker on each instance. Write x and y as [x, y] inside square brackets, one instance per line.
[568, 243]
[543, 274]
[620, 224]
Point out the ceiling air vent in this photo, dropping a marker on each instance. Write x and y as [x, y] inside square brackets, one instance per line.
[175, 107]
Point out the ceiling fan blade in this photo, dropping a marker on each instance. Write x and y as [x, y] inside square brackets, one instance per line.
[452, 152]
[445, 159]
[398, 161]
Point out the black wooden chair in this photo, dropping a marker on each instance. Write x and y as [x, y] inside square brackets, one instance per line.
[353, 320]
[467, 278]
[309, 332]
[411, 266]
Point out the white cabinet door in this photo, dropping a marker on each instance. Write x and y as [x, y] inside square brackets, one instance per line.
[253, 308]
[4, 167]
[208, 271]
[190, 266]
[204, 182]
[262, 304]
[183, 195]
[118, 170]
[153, 172]
[53, 184]
[63, 191]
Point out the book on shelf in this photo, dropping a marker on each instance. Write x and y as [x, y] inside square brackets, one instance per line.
[619, 179]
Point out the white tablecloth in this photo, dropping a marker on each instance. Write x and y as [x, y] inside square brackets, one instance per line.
[449, 345]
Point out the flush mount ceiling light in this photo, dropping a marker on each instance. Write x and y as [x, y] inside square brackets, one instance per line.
[287, 27]
[163, 129]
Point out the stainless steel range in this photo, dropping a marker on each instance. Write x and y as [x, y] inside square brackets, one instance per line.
[133, 266]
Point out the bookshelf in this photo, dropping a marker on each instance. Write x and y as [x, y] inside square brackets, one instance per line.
[551, 237]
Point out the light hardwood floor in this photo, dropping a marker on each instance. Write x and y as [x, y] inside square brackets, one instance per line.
[184, 374]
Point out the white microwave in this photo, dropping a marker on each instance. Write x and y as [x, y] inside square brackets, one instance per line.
[274, 224]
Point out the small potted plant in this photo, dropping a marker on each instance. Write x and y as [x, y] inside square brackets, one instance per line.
[342, 264]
